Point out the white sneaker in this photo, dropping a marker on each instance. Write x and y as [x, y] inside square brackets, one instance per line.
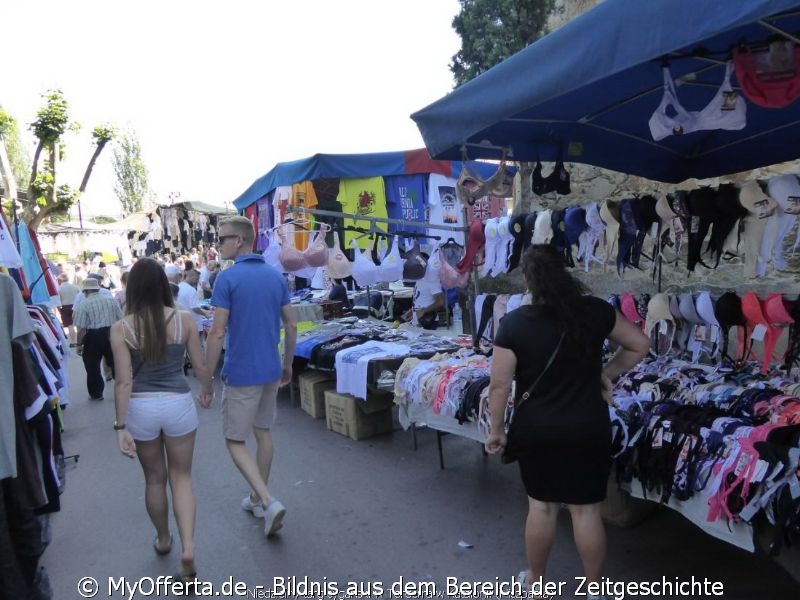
[273, 517]
[257, 509]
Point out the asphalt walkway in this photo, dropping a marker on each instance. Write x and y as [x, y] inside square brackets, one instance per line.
[369, 511]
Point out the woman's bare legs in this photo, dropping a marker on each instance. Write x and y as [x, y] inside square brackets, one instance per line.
[590, 538]
[540, 532]
[151, 457]
[179, 456]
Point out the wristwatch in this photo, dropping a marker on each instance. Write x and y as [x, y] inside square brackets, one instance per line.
[118, 426]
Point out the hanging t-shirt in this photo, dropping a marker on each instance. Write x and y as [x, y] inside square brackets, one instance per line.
[362, 197]
[303, 194]
[488, 207]
[406, 198]
[264, 222]
[280, 202]
[444, 206]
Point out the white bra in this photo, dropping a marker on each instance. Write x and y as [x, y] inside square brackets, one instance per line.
[726, 110]
[365, 272]
[391, 267]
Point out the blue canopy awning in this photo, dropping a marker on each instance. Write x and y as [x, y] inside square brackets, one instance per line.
[586, 92]
[351, 166]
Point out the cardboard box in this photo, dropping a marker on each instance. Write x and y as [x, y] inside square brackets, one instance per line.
[313, 385]
[358, 419]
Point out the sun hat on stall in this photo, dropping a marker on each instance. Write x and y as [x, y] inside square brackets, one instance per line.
[628, 308]
[659, 325]
[90, 283]
[476, 240]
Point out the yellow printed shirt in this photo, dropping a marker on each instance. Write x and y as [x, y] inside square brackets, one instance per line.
[362, 197]
[303, 194]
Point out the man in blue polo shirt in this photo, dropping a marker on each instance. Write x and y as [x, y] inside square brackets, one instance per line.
[251, 299]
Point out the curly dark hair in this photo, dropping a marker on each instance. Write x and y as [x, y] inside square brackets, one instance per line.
[557, 291]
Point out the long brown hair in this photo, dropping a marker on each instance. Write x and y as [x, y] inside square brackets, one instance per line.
[146, 295]
[557, 291]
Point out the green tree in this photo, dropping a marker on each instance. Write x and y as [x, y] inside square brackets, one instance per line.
[19, 162]
[491, 31]
[131, 186]
[46, 196]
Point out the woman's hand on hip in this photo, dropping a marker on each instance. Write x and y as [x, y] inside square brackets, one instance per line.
[495, 443]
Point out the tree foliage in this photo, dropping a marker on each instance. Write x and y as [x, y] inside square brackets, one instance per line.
[493, 30]
[47, 196]
[20, 162]
[131, 186]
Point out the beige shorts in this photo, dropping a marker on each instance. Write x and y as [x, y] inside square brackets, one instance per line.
[245, 407]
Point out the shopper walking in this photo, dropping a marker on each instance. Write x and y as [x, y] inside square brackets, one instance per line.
[251, 299]
[67, 292]
[94, 317]
[561, 433]
[156, 418]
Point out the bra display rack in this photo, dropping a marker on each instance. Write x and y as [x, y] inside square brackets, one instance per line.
[472, 291]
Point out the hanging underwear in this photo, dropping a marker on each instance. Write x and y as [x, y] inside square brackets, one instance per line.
[769, 78]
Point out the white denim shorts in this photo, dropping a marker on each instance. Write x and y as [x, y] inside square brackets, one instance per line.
[148, 416]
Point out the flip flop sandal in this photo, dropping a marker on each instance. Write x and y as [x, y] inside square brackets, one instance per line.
[161, 551]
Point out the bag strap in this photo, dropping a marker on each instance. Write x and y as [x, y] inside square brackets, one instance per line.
[529, 391]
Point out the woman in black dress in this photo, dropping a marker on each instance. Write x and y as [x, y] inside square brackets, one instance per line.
[562, 433]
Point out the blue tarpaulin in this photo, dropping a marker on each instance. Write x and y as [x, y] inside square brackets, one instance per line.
[586, 92]
[352, 166]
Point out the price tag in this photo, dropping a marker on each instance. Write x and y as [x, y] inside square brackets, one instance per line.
[700, 333]
[759, 332]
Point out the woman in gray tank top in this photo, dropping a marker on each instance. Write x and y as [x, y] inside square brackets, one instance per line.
[156, 417]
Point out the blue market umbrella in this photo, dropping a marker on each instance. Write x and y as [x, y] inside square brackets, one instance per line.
[586, 92]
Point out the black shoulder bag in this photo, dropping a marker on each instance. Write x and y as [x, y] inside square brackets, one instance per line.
[509, 456]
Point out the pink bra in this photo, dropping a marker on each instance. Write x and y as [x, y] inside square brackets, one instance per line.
[316, 255]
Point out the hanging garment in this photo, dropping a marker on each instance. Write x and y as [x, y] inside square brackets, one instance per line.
[414, 265]
[516, 227]
[363, 197]
[730, 212]
[662, 124]
[365, 272]
[505, 241]
[538, 185]
[609, 213]
[627, 235]
[303, 195]
[444, 206]
[448, 276]
[476, 242]
[543, 229]
[628, 308]
[339, 266]
[272, 251]
[759, 207]
[559, 241]
[757, 327]
[391, 267]
[778, 319]
[406, 199]
[492, 243]
[728, 310]
[589, 239]
[703, 209]
[727, 109]
[785, 190]
[704, 306]
[558, 180]
[769, 77]
[659, 325]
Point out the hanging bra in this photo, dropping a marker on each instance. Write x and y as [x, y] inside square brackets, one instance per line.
[272, 253]
[291, 258]
[316, 255]
[391, 267]
[663, 125]
[470, 187]
[414, 265]
[365, 272]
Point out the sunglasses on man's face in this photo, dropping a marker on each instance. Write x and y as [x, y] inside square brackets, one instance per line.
[222, 238]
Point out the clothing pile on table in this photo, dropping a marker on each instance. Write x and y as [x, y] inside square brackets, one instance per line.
[730, 436]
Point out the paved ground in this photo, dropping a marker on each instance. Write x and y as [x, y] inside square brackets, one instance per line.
[369, 511]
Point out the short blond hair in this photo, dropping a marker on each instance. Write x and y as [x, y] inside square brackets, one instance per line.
[242, 226]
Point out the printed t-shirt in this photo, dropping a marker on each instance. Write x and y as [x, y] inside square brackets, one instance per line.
[362, 197]
[406, 197]
[303, 194]
[254, 293]
[488, 207]
[444, 206]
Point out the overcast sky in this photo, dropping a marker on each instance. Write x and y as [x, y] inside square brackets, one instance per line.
[218, 94]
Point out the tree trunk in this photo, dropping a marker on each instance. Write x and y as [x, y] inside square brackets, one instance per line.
[37, 219]
[7, 173]
[90, 166]
[35, 166]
